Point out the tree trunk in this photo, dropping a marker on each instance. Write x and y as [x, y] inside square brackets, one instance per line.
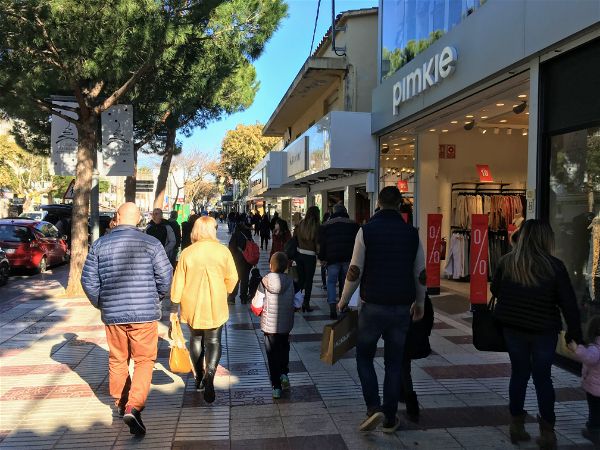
[165, 165]
[130, 181]
[81, 203]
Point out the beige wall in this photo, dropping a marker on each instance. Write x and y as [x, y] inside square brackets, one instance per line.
[354, 91]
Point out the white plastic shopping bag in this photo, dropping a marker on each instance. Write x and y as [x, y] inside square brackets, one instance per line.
[298, 299]
[355, 299]
[258, 303]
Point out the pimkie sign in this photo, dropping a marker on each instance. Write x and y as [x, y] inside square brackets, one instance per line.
[440, 66]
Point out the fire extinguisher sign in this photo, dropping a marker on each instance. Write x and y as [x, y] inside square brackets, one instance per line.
[434, 244]
[479, 259]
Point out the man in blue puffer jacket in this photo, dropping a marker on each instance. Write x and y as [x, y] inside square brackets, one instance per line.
[126, 275]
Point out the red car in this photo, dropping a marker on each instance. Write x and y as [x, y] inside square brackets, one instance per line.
[32, 244]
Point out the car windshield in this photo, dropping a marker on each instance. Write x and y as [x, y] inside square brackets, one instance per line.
[31, 215]
[13, 233]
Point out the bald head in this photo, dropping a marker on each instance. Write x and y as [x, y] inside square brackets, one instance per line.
[128, 214]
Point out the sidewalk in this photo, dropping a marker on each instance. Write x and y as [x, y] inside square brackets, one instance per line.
[53, 388]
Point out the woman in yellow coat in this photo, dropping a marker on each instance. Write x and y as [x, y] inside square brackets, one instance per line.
[204, 277]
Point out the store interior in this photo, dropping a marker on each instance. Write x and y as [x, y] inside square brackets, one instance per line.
[436, 159]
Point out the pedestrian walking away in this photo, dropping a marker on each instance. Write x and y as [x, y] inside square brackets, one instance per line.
[307, 232]
[389, 264]
[126, 275]
[265, 232]
[589, 356]
[160, 229]
[336, 242]
[532, 288]
[277, 321]
[186, 231]
[172, 222]
[239, 239]
[281, 234]
[205, 275]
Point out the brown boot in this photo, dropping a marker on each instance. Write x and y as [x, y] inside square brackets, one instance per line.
[547, 439]
[517, 429]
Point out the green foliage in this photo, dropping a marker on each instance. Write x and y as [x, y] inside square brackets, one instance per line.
[242, 149]
[21, 171]
[59, 186]
[400, 56]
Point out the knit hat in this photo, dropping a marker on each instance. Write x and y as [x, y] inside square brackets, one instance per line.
[339, 208]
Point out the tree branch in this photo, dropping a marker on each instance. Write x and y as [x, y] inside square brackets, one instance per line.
[148, 137]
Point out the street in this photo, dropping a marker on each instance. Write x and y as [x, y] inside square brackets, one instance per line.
[53, 386]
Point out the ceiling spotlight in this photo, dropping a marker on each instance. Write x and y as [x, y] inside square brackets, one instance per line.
[433, 129]
[454, 121]
[387, 159]
[395, 158]
[484, 117]
[503, 121]
[499, 104]
[469, 116]
[483, 130]
[523, 96]
[444, 131]
[469, 125]
[509, 131]
[404, 139]
[527, 113]
[524, 133]
[518, 109]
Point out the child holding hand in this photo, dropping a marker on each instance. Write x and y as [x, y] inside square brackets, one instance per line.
[589, 356]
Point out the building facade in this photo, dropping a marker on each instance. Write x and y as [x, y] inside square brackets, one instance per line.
[494, 107]
[325, 126]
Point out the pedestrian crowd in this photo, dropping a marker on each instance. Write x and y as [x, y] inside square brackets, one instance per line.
[128, 274]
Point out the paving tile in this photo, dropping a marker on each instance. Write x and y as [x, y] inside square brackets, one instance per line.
[308, 425]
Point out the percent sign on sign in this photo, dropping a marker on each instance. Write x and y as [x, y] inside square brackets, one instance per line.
[479, 258]
[434, 242]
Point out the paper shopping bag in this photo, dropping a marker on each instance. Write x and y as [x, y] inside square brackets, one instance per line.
[179, 358]
[339, 337]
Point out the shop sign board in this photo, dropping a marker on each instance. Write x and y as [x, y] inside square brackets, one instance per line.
[256, 180]
[439, 66]
[485, 174]
[64, 140]
[117, 141]
[479, 258]
[403, 185]
[434, 245]
[450, 151]
[297, 156]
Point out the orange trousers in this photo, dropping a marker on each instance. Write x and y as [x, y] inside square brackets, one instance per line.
[137, 341]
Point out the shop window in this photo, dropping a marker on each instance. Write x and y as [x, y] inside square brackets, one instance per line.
[574, 212]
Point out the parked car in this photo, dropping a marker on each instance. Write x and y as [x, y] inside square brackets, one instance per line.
[4, 267]
[32, 244]
[35, 215]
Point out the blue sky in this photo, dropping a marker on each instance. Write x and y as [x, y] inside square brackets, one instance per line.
[281, 60]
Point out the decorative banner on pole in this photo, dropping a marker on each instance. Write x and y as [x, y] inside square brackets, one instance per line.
[485, 174]
[479, 258]
[117, 141]
[64, 141]
[434, 241]
[403, 185]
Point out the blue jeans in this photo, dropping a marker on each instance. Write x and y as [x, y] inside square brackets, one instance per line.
[391, 323]
[531, 355]
[336, 273]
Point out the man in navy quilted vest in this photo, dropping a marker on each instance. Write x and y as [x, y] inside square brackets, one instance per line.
[126, 275]
[389, 264]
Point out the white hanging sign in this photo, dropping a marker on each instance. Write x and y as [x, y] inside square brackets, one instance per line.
[117, 142]
[64, 141]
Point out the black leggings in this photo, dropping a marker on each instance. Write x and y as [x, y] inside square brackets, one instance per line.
[205, 346]
[265, 241]
[307, 265]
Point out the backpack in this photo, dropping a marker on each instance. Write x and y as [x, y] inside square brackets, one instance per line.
[251, 252]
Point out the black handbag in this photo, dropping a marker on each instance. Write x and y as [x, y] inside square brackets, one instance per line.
[487, 331]
[291, 248]
[417, 339]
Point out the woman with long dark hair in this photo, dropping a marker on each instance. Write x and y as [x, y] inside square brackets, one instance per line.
[532, 288]
[281, 234]
[307, 234]
[237, 244]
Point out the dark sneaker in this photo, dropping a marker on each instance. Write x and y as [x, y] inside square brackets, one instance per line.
[119, 410]
[373, 419]
[209, 389]
[133, 419]
[391, 425]
[199, 382]
[285, 381]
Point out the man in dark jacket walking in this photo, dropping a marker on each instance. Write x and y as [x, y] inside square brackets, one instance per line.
[389, 263]
[160, 229]
[126, 275]
[336, 241]
[177, 232]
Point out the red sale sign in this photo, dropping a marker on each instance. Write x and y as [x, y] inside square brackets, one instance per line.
[479, 258]
[434, 244]
[485, 174]
[403, 185]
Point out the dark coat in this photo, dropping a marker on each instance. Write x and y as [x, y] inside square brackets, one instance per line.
[417, 340]
[126, 275]
[336, 239]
